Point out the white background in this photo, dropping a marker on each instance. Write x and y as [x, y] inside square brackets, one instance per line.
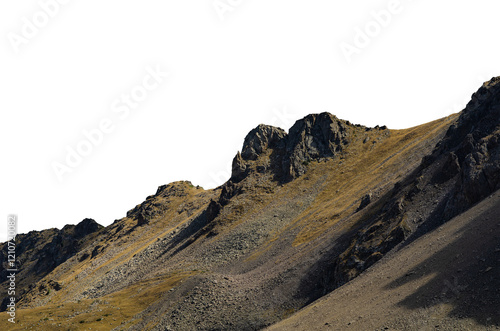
[269, 62]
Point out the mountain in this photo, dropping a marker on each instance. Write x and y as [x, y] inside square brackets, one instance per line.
[329, 225]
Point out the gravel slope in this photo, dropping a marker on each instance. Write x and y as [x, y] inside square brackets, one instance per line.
[448, 279]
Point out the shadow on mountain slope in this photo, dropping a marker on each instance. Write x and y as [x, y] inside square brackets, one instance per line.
[320, 277]
[466, 271]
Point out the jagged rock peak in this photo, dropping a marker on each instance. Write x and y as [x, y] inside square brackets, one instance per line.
[313, 137]
[86, 227]
[260, 139]
[488, 94]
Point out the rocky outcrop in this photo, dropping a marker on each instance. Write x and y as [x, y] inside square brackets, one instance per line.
[156, 205]
[85, 227]
[472, 147]
[260, 139]
[40, 252]
[314, 137]
[463, 169]
[268, 149]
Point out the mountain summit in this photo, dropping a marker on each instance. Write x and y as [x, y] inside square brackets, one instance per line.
[332, 225]
[313, 138]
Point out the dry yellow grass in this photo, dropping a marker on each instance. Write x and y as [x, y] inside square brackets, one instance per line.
[106, 313]
[116, 307]
[363, 169]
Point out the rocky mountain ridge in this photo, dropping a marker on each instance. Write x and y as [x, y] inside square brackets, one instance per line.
[463, 169]
[303, 214]
[313, 138]
[40, 252]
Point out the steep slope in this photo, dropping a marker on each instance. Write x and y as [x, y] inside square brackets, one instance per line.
[463, 169]
[448, 279]
[302, 214]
